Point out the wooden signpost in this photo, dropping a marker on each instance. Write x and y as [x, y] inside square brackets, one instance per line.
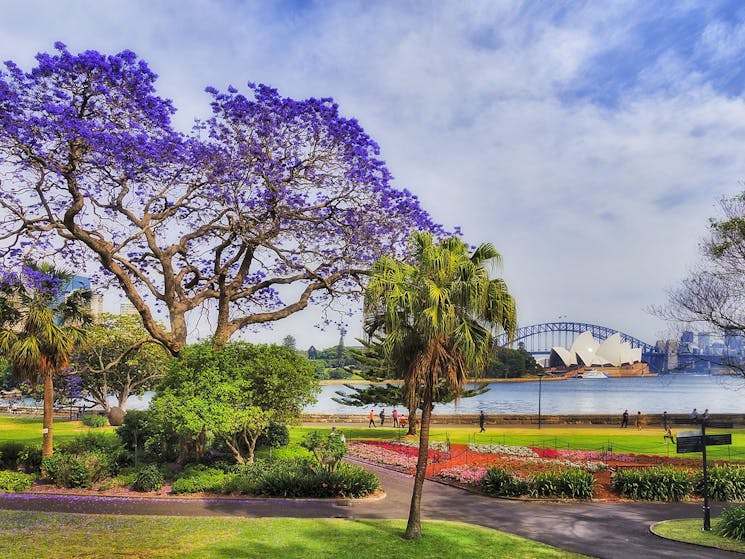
[697, 441]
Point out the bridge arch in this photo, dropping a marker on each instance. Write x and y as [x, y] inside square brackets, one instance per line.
[565, 328]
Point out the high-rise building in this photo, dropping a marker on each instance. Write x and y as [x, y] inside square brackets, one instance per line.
[127, 308]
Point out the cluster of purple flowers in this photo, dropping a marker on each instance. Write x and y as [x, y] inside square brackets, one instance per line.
[267, 192]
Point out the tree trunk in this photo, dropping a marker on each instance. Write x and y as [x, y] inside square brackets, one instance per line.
[412, 422]
[46, 431]
[414, 526]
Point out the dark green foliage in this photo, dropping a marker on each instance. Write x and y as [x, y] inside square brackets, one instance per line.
[275, 436]
[94, 420]
[198, 479]
[9, 454]
[231, 393]
[501, 483]
[511, 363]
[155, 441]
[149, 478]
[732, 523]
[726, 483]
[77, 470]
[297, 480]
[14, 481]
[29, 458]
[108, 446]
[338, 373]
[544, 485]
[652, 484]
[575, 484]
[327, 450]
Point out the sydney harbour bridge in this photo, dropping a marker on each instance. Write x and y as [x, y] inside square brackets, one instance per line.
[538, 339]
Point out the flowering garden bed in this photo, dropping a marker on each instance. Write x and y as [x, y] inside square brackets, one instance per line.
[466, 465]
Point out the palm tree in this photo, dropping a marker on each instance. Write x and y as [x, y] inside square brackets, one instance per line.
[40, 326]
[438, 315]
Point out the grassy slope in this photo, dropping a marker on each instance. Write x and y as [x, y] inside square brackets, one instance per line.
[28, 535]
[691, 531]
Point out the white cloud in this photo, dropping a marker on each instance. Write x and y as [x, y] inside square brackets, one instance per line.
[596, 209]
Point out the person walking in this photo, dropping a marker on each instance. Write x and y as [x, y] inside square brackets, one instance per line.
[665, 421]
[482, 420]
[705, 417]
[382, 417]
[668, 435]
[694, 415]
[372, 419]
[625, 419]
[639, 420]
[394, 415]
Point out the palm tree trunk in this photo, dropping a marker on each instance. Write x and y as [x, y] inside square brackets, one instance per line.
[46, 431]
[412, 422]
[414, 525]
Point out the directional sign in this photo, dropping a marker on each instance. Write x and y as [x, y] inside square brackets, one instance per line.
[695, 443]
[712, 440]
[690, 444]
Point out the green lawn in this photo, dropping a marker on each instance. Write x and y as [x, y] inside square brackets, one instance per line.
[691, 531]
[646, 441]
[28, 429]
[31, 535]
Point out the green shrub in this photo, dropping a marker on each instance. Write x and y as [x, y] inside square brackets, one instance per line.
[732, 523]
[109, 448]
[296, 479]
[77, 470]
[126, 477]
[653, 484]
[9, 453]
[14, 481]
[276, 436]
[144, 433]
[199, 478]
[246, 478]
[94, 420]
[726, 483]
[501, 483]
[29, 458]
[327, 450]
[149, 478]
[339, 373]
[575, 484]
[543, 485]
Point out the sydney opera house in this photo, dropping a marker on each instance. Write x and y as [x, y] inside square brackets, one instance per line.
[612, 356]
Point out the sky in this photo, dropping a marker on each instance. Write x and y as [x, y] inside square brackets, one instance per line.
[590, 142]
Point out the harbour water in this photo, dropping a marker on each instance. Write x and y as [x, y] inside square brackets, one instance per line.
[673, 393]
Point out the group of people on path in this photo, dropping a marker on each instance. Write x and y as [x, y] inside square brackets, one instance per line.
[398, 420]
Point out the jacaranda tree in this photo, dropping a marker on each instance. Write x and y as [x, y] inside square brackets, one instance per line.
[269, 205]
[437, 315]
[40, 326]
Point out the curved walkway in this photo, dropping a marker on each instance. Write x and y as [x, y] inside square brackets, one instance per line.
[605, 530]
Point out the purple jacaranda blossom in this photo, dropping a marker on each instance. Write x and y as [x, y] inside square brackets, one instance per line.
[269, 204]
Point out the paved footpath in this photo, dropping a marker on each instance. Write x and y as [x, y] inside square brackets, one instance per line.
[606, 530]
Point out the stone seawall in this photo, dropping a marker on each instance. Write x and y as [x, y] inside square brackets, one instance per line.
[678, 421]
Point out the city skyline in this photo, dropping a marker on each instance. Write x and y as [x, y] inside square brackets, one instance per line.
[589, 143]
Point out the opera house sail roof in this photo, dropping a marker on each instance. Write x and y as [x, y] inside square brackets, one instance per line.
[587, 351]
